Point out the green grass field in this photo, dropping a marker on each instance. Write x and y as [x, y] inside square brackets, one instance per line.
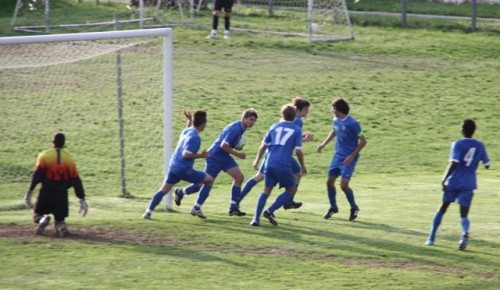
[410, 89]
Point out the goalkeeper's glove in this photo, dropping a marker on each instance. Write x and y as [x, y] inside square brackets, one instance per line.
[84, 208]
[27, 199]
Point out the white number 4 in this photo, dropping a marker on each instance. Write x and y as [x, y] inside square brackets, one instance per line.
[469, 156]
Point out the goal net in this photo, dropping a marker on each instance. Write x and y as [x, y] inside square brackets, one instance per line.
[109, 92]
[50, 16]
[318, 20]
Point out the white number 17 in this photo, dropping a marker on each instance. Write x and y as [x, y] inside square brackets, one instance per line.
[280, 138]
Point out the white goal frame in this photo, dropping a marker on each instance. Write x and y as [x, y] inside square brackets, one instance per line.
[166, 33]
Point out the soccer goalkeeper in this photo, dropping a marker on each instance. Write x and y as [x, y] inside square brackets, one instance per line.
[56, 170]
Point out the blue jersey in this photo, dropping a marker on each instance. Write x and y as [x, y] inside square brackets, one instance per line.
[281, 140]
[467, 152]
[298, 122]
[231, 135]
[190, 141]
[347, 132]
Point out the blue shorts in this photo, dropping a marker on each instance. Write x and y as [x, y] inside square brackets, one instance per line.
[192, 176]
[214, 166]
[337, 167]
[283, 176]
[296, 166]
[464, 198]
[262, 168]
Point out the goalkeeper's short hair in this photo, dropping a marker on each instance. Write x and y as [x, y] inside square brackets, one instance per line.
[59, 140]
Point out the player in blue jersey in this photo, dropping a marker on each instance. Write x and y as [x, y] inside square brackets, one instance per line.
[302, 109]
[459, 180]
[221, 160]
[182, 160]
[350, 142]
[282, 139]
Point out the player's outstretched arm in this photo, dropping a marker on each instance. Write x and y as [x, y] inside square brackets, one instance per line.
[327, 140]
[260, 153]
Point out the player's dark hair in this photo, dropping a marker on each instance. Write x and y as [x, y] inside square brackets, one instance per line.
[249, 113]
[199, 118]
[341, 105]
[468, 128]
[300, 103]
[59, 140]
[288, 112]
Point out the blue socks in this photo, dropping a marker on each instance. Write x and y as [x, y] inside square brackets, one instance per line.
[350, 197]
[465, 225]
[435, 224]
[204, 192]
[192, 188]
[261, 203]
[246, 188]
[281, 200]
[156, 200]
[235, 196]
[332, 193]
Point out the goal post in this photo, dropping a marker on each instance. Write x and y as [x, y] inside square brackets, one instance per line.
[317, 20]
[110, 92]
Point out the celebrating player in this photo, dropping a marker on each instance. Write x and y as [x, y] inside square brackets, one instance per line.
[350, 141]
[280, 141]
[220, 159]
[302, 109]
[459, 180]
[56, 170]
[182, 161]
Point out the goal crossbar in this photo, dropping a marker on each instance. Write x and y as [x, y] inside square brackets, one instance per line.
[87, 36]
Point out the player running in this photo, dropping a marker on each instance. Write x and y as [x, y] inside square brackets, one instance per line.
[280, 141]
[302, 109]
[220, 159]
[182, 161]
[459, 180]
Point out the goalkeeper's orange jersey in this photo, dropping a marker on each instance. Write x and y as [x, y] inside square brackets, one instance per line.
[57, 164]
[56, 170]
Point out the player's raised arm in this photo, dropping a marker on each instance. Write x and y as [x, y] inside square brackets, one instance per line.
[189, 118]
